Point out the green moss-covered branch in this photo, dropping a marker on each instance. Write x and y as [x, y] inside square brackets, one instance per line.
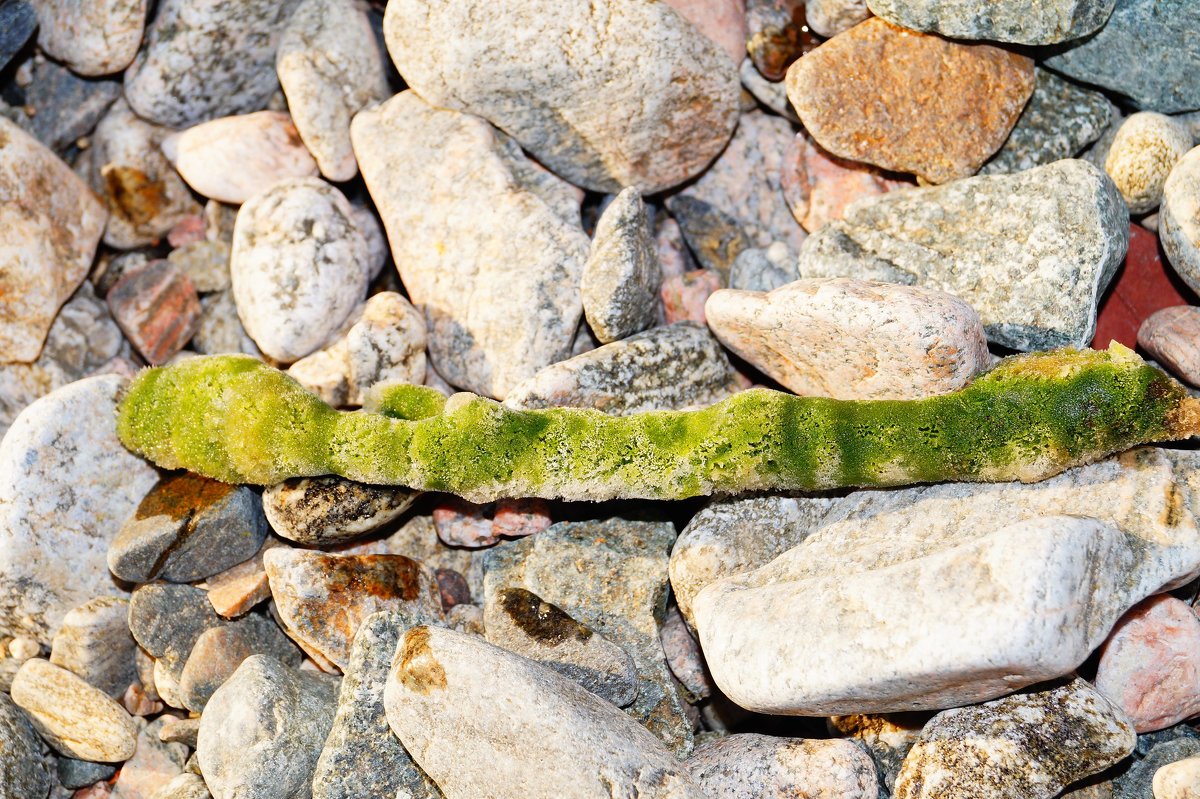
[238, 420]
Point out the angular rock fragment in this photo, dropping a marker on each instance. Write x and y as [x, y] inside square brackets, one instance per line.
[157, 308]
[620, 280]
[819, 186]
[1031, 252]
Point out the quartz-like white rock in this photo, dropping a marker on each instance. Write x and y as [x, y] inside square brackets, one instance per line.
[92, 37]
[298, 266]
[1179, 218]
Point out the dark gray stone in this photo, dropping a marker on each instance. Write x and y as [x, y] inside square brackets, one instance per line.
[65, 105]
[23, 770]
[1148, 51]
[713, 236]
[1137, 781]
[187, 528]
[1017, 21]
[321, 511]
[1059, 120]
[611, 576]
[75, 774]
[1031, 252]
[362, 757]
[220, 650]
[166, 620]
[17, 23]
[262, 731]
[622, 274]
[672, 367]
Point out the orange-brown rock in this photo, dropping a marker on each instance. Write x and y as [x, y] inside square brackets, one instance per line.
[910, 102]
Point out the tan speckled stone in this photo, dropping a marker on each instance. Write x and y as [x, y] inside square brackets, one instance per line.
[853, 339]
[1145, 148]
[908, 101]
[76, 719]
[1178, 780]
[1179, 218]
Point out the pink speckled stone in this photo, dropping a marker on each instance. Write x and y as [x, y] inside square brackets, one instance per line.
[463, 524]
[1150, 665]
[1172, 337]
[517, 518]
[818, 186]
[683, 296]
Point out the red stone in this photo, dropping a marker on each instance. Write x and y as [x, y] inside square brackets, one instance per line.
[157, 308]
[683, 296]
[188, 230]
[1145, 284]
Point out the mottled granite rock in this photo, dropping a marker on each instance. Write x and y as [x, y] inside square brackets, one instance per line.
[1031, 252]
[206, 264]
[145, 196]
[385, 340]
[320, 511]
[1179, 218]
[752, 766]
[672, 367]
[91, 37]
[1150, 664]
[475, 228]
[1141, 155]
[606, 94]
[330, 67]
[66, 485]
[94, 643]
[234, 158]
[1145, 51]
[53, 223]
[552, 739]
[187, 528]
[818, 186]
[205, 59]
[620, 280]
[733, 536]
[853, 339]
[75, 718]
[298, 266]
[1172, 337]
[1059, 120]
[611, 576]
[910, 102]
[23, 771]
[1024, 746]
[887, 738]
[1016, 21]
[723, 21]
[1002, 585]
[220, 650]
[262, 731]
[322, 599]
[745, 180]
[220, 329]
[362, 758]
[523, 623]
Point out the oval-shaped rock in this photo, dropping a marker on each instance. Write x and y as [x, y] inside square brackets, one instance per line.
[1141, 155]
[1017, 21]
[66, 485]
[76, 719]
[909, 101]
[606, 94]
[298, 266]
[1179, 218]
[92, 38]
[442, 700]
[853, 339]
[1172, 337]
[622, 274]
[320, 511]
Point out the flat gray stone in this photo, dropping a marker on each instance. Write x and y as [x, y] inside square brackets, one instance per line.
[482, 721]
[66, 105]
[94, 643]
[1059, 121]
[611, 576]
[1024, 746]
[75, 774]
[262, 731]
[1031, 252]
[1016, 21]
[606, 94]
[1146, 51]
[23, 771]
[362, 757]
[665, 368]
[622, 274]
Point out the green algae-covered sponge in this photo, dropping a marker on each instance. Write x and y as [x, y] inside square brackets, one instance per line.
[236, 419]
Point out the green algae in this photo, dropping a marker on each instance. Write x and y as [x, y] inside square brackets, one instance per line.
[236, 419]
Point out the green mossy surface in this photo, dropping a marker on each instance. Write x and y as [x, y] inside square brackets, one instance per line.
[235, 419]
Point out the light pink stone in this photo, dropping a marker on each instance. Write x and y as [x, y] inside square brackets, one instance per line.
[818, 186]
[463, 524]
[1150, 664]
[723, 21]
[517, 518]
[683, 296]
[673, 255]
[1172, 337]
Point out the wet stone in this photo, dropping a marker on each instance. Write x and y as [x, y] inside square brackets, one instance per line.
[1059, 121]
[673, 367]
[611, 576]
[362, 757]
[521, 622]
[187, 528]
[322, 599]
[157, 308]
[453, 588]
[1026, 746]
[262, 731]
[220, 650]
[74, 773]
[23, 771]
[94, 643]
[166, 619]
[76, 719]
[621, 277]
[321, 511]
